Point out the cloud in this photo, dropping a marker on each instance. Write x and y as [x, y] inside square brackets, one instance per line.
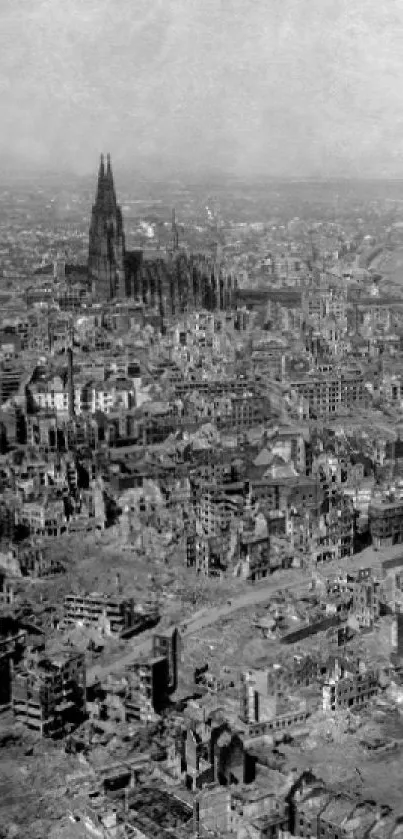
[273, 86]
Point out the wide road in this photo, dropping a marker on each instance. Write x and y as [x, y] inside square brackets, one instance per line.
[205, 617]
[261, 592]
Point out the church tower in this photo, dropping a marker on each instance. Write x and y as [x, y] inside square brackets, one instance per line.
[106, 256]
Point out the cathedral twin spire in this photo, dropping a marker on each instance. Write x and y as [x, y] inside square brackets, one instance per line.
[106, 251]
[106, 196]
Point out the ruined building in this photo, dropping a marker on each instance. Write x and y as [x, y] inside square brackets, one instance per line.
[153, 678]
[171, 281]
[111, 614]
[48, 692]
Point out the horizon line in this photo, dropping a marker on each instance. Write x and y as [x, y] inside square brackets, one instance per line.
[19, 171]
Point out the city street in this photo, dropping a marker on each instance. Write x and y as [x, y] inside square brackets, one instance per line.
[293, 580]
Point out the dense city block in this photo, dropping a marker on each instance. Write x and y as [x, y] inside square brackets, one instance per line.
[201, 512]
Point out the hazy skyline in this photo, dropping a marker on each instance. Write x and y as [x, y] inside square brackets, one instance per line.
[278, 87]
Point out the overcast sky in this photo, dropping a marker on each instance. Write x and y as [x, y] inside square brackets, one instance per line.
[278, 87]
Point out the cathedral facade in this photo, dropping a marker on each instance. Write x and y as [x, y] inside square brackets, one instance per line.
[172, 282]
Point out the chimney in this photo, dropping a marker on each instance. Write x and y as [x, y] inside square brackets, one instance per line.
[174, 232]
[59, 268]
